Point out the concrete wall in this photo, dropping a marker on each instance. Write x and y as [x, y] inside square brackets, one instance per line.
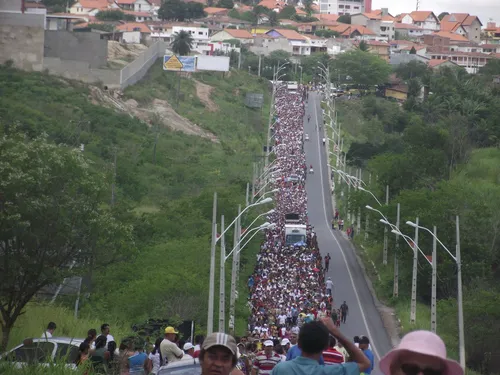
[21, 40]
[80, 46]
[81, 71]
[10, 5]
[138, 68]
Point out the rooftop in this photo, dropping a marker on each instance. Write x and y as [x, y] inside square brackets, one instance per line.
[134, 26]
[452, 36]
[289, 34]
[421, 15]
[407, 26]
[239, 33]
[214, 10]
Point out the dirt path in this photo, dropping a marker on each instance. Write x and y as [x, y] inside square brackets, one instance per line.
[203, 92]
[159, 109]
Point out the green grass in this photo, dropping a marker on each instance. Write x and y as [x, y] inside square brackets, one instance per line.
[36, 317]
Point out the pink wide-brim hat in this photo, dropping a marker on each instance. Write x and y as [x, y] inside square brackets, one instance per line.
[422, 342]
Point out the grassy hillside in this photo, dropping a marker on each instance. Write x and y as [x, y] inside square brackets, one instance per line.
[168, 202]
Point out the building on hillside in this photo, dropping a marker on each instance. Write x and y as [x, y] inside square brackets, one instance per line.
[398, 45]
[134, 32]
[381, 22]
[264, 44]
[223, 22]
[456, 22]
[426, 20]
[381, 49]
[34, 8]
[419, 50]
[165, 31]
[135, 5]
[490, 48]
[470, 61]
[438, 64]
[491, 33]
[92, 7]
[457, 38]
[403, 58]
[274, 5]
[290, 41]
[243, 36]
[213, 11]
[341, 7]
[409, 30]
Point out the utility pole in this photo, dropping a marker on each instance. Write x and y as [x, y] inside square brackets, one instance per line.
[233, 276]
[413, 309]
[386, 244]
[348, 198]
[260, 62]
[113, 185]
[367, 220]
[247, 202]
[461, 338]
[222, 281]
[211, 291]
[358, 174]
[395, 291]
[254, 181]
[239, 59]
[434, 282]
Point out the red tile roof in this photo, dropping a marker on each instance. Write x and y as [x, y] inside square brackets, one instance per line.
[239, 33]
[421, 15]
[137, 14]
[94, 4]
[290, 34]
[328, 17]
[214, 10]
[400, 17]
[134, 26]
[452, 36]
[358, 28]
[450, 26]
[436, 62]
[407, 26]
[272, 4]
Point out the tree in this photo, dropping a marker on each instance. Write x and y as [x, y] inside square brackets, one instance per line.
[193, 11]
[172, 10]
[182, 43]
[363, 68]
[287, 13]
[308, 7]
[258, 11]
[51, 218]
[327, 33]
[413, 69]
[442, 15]
[113, 15]
[345, 18]
[273, 18]
[363, 46]
[228, 4]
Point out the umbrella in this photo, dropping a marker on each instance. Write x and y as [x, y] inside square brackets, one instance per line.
[315, 269]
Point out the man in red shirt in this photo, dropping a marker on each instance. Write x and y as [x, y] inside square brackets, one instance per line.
[265, 360]
[331, 355]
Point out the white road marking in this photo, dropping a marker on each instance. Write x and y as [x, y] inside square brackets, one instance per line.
[372, 342]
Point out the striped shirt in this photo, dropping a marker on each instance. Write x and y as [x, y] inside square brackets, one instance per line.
[264, 364]
[332, 356]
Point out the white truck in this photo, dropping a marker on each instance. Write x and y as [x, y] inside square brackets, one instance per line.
[295, 232]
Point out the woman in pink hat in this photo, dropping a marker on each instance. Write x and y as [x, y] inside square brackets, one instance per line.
[419, 353]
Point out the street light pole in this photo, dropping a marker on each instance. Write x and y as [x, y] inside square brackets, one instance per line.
[434, 282]
[386, 244]
[461, 338]
[395, 291]
[222, 281]
[233, 276]
[413, 309]
[211, 288]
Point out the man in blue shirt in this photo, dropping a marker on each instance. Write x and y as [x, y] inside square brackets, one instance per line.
[295, 352]
[364, 344]
[313, 339]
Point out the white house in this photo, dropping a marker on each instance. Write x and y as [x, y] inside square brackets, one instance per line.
[135, 5]
[426, 20]
[91, 7]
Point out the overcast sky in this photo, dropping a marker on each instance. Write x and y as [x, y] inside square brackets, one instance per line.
[484, 9]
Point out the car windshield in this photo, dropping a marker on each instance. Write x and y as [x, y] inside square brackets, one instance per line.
[184, 370]
[295, 238]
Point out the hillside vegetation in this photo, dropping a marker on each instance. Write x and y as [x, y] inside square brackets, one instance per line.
[165, 182]
[439, 156]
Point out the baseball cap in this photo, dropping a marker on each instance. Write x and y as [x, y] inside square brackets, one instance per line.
[187, 346]
[170, 329]
[268, 343]
[285, 342]
[220, 339]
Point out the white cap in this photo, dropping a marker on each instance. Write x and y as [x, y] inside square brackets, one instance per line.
[187, 346]
[268, 343]
[285, 342]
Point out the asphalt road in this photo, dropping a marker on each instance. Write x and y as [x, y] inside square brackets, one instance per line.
[348, 279]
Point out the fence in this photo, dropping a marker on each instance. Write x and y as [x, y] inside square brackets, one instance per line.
[138, 68]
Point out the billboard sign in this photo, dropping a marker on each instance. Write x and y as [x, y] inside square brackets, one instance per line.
[254, 100]
[179, 63]
[213, 63]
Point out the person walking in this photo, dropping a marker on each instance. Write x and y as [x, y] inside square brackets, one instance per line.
[266, 360]
[344, 310]
[327, 262]
[364, 344]
[331, 355]
[313, 340]
[329, 286]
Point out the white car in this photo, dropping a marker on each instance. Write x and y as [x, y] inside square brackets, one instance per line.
[306, 137]
[43, 351]
[182, 367]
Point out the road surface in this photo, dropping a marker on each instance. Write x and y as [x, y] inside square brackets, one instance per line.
[348, 279]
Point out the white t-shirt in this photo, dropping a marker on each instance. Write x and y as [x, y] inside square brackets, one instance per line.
[169, 351]
[282, 319]
[109, 338]
[47, 335]
[329, 284]
[155, 359]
